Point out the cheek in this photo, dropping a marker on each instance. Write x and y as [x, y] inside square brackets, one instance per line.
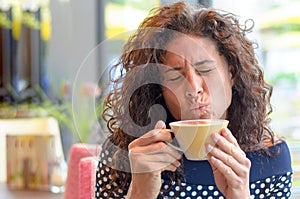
[220, 94]
[172, 102]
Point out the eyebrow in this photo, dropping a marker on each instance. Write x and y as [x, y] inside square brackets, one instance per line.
[202, 62]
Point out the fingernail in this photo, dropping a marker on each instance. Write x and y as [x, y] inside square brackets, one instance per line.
[160, 124]
[209, 148]
[225, 132]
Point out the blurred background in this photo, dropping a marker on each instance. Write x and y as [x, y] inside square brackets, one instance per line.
[53, 51]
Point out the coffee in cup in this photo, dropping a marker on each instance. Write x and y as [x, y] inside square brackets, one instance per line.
[193, 135]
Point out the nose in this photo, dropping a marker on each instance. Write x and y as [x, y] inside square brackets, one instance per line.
[194, 84]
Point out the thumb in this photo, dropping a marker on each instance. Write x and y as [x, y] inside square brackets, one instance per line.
[160, 125]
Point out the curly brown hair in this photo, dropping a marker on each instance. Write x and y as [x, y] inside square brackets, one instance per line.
[130, 108]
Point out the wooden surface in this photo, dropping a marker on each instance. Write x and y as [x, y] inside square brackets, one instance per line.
[6, 193]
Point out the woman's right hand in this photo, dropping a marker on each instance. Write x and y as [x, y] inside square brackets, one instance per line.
[149, 155]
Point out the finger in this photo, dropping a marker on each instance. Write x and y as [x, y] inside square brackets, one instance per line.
[226, 133]
[156, 148]
[240, 167]
[155, 135]
[170, 167]
[229, 145]
[227, 172]
[149, 163]
[230, 149]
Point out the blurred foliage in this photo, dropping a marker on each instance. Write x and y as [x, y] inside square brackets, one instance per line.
[286, 77]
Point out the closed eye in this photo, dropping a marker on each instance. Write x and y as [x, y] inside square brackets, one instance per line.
[205, 72]
[173, 74]
[175, 78]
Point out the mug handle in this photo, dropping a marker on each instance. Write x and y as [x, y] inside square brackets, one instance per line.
[171, 145]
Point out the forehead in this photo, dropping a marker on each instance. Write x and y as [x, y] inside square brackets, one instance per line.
[191, 47]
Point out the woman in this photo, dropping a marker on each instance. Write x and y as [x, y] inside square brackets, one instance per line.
[186, 63]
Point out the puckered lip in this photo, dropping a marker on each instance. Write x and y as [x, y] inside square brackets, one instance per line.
[198, 107]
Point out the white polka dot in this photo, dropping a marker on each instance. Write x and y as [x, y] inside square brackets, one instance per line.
[106, 152]
[105, 179]
[204, 193]
[273, 197]
[188, 188]
[261, 196]
[171, 193]
[102, 172]
[252, 196]
[279, 194]
[107, 169]
[109, 159]
[221, 197]
[182, 194]
[283, 179]
[210, 187]
[281, 186]
[199, 187]
[285, 190]
[102, 155]
[199, 197]
[216, 193]
[105, 194]
[177, 188]
[166, 186]
[210, 197]
[268, 180]
[252, 186]
[262, 185]
[188, 198]
[108, 186]
[120, 190]
[257, 191]
[194, 193]
[100, 182]
[267, 190]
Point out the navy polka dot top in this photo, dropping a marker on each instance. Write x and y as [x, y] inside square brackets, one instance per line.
[270, 177]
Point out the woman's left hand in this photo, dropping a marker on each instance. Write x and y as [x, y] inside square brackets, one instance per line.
[230, 165]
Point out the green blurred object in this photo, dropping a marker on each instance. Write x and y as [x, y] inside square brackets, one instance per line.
[280, 27]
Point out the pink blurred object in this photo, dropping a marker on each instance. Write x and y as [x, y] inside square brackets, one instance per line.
[79, 172]
[87, 173]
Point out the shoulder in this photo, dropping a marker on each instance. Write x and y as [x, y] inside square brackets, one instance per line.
[278, 162]
[114, 157]
[110, 174]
